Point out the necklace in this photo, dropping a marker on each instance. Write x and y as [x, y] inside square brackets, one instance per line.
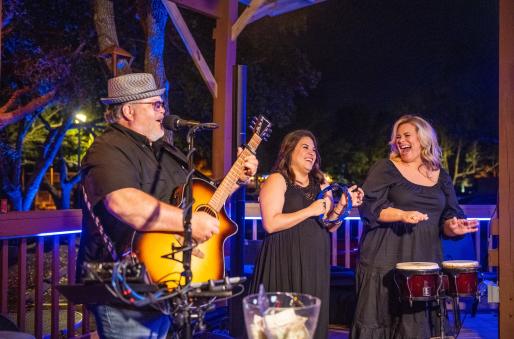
[305, 188]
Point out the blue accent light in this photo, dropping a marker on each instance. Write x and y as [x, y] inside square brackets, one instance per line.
[57, 233]
[48, 234]
[358, 218]
[253, 218]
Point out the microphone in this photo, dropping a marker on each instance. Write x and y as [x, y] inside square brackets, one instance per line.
[219, 284]
[174, 123]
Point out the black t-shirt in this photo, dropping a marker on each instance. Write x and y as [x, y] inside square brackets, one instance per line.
[122, 158]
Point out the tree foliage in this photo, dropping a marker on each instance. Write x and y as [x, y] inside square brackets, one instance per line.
[50, 72]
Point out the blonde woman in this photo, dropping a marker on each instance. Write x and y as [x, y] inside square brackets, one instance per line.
[409, 205]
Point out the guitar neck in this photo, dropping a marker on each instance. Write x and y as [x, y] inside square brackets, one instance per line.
[225, 188]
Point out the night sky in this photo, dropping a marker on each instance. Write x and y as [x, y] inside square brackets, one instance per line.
[385, 53]
[376, 61]
[381, 59]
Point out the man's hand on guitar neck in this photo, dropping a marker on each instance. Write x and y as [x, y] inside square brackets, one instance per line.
[204, 226]
[250, 164]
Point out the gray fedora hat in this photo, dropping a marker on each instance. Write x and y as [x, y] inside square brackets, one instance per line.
[130, 87]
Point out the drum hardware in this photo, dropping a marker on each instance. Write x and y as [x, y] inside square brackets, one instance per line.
[418, 281]
[102, 272]
[424, 281]
[462, 279]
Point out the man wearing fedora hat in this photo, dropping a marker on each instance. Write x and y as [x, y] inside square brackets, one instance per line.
[129, 174]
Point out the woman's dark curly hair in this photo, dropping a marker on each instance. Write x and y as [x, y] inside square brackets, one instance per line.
[283, 163]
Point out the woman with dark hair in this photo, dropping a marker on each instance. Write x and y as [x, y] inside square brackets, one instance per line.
[295, 255]
[409, 205]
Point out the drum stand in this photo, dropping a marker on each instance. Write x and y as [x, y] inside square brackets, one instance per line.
[442, 317]
[441, 314]
[456, 309]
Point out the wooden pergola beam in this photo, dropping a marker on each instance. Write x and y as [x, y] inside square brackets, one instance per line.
[228, 27]
[191, 46]
[209, 8]
[245, 18]
[281, 7]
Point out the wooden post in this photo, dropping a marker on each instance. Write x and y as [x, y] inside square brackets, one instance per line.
[225, 59]
[506, 186]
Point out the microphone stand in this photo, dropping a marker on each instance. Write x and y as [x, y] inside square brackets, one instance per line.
[183, 318]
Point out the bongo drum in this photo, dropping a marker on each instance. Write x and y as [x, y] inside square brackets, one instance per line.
[418, 281]
[461, 277]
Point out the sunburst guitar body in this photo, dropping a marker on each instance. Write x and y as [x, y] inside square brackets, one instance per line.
[161, 252]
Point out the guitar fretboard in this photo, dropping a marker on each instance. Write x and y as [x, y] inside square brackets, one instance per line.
[225, 188]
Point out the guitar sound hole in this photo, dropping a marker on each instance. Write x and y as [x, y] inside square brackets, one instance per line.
[207, 209]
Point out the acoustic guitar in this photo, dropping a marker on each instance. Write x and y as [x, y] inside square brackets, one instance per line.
[161, 252]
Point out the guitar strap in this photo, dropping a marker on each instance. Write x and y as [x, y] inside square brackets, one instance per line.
[107, 241]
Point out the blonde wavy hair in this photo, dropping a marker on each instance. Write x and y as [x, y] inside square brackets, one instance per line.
[430, 150]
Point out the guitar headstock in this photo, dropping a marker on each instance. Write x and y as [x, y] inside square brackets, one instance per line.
[261, 126]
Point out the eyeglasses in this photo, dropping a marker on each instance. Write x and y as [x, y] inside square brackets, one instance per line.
[156, 105]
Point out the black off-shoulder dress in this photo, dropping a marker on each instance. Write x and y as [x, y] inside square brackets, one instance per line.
[379, 313]
[297, 259]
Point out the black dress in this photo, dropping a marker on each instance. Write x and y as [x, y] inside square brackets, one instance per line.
[297, 259]
[379, 313]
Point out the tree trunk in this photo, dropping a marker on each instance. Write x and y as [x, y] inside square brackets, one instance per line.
[45, 163]
[67, 185]
[16, 199]
[155, 21]
[66, 196]
[105, 26]
[155, 26]
[456, 170]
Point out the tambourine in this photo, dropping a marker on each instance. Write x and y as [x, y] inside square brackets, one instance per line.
[345, 212]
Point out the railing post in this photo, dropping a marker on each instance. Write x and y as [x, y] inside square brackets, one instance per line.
[347, 247]
[22, 283]
[55, 281]
[71, 280]
[4, 281]
[40, 259]
[334, 248]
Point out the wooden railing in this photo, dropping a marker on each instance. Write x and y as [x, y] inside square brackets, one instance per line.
[350, 232]
[40, 239]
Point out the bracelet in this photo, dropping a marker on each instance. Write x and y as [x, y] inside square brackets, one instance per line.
[332, 223]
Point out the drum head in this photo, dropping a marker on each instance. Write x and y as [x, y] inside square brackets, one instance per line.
[417, 266]
[451, 264]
